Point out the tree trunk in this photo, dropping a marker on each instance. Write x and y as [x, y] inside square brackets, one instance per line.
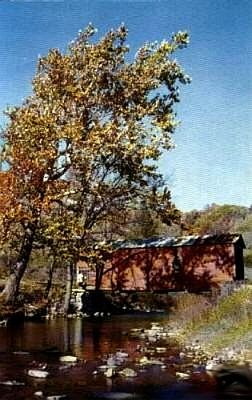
[11, 289]
[69, 286]
[148, 268]
[99, 271]
[50, 277]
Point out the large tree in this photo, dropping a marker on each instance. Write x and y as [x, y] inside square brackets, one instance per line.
[88, 139]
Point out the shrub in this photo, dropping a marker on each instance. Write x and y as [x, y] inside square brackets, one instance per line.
[189, 308]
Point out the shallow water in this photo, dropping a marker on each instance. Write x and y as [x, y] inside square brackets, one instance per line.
[32, 345]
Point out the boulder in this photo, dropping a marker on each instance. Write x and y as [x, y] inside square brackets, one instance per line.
[234, 380]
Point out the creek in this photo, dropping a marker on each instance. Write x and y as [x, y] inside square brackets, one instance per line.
[39, 345]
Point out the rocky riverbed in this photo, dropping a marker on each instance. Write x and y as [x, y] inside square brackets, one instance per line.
[153, 361]
[132, 358]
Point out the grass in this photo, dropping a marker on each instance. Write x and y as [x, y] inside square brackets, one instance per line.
[232, 335]
[216, 325]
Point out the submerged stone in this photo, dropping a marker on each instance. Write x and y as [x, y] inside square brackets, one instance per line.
[182, 375]
[119, 396]
[12, 383]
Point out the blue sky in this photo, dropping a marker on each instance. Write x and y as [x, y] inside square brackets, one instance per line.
[212, 161]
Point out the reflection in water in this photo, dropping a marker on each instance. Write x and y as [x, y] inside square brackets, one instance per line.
[88, 338]
[91, 341]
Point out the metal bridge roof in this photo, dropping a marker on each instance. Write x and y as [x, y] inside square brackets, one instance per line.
[167, 241]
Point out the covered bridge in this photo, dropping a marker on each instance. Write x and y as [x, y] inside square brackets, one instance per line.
[193, 263]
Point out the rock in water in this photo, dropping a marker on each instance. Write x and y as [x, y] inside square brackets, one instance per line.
[182, 375]
[212, 366]
[234, 380]
[128, 373]
[119, 396]
[12, 383]
[121, 354]
[109, 373]
[70, 359]
[37, 373]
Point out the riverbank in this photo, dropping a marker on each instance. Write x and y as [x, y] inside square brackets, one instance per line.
[31, 305]
[217, 333]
